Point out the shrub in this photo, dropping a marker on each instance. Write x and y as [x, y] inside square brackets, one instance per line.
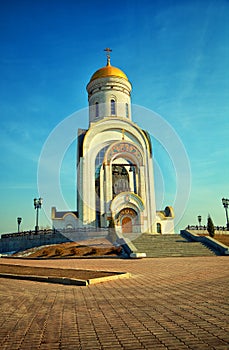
[210, 227]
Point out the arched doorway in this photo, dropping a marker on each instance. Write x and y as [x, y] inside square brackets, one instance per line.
[127, 225]
[124, 207]
[127, 217]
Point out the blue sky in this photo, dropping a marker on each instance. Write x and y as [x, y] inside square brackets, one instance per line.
[176, 56]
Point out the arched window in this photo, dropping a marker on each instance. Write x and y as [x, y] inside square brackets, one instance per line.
[113, 107]
[120, 179]
[98, 164]
[96, 109]
[127, 110]
[158, 227]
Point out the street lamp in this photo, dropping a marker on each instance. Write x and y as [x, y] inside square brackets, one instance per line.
[37, 206]
[225, 202]
[199, 219]
[18, 224]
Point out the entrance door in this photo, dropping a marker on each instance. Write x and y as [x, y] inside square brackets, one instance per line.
[126, 225]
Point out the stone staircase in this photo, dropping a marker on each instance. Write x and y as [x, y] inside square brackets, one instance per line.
[173, 245]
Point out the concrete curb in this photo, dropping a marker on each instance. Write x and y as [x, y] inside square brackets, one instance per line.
[130, 248]
[61, 257]
[109, 278]
[66, 280]
[137, 255]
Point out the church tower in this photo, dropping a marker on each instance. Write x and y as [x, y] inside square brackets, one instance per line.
[115, 167]
[109, 93]
[115, 181]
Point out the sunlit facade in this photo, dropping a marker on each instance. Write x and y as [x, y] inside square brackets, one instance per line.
[115, 181]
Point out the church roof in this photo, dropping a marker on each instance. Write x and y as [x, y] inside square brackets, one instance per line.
[108, 71]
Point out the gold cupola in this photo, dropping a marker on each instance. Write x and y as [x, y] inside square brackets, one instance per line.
[109, 92]
[108, 71]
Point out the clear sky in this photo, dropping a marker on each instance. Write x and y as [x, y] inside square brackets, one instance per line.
[176, 55]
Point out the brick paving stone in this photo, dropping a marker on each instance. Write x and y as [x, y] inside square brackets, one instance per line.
[199, 346]
[49, 346]
[72, 346]
[176, 346]
[155, 347]
[133, 346]
[171, 303]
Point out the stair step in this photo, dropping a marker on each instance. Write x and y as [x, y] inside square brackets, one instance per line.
[172, 245]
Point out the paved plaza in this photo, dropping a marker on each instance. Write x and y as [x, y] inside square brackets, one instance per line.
[170, 303]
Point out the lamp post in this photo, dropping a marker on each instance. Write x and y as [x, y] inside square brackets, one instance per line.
[37, 206]
[199, 219]
[225, 202]
[18, 224]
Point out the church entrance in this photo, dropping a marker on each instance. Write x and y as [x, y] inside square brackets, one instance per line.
[127, 225]
[127, 217]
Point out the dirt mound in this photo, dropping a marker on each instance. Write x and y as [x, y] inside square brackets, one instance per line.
[71, 249]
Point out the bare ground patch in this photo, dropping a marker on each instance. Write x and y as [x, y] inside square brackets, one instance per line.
[62, 276]
[72, 249]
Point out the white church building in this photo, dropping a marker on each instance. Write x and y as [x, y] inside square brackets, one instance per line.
[115, 178]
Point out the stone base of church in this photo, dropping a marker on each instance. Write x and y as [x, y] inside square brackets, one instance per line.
[126, 222]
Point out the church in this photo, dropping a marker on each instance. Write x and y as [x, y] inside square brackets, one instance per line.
[115, 178]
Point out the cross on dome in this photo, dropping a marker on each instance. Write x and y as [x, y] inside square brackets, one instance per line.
[108, 51]
[108, 70]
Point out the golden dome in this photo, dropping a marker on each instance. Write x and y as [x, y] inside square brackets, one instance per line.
[108, 71]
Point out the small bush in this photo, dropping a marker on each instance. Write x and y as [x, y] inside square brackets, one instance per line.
[210, 227]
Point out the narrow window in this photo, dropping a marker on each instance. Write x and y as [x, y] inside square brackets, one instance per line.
[113, 107]
[127, 110]
[158, 227]
[96, 109]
